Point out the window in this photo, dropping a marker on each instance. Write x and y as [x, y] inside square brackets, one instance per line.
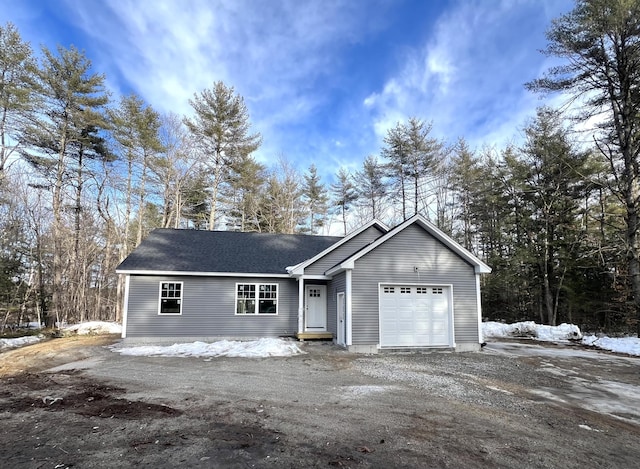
[421, 290]
[405, 290]
[256, 298]
[436, 291]
[389, 289]
[170, 298]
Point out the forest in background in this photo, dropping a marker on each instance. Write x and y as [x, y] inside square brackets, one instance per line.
[84, 177]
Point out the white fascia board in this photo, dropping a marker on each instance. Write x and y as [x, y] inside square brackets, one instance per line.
[295, 269]
[299, 269]
[479, 266]
[201, 274]
[483, 269]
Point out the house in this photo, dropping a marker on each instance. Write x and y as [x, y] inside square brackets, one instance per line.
[377, 288]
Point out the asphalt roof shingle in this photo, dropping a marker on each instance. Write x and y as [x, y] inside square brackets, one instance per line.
[223, 251]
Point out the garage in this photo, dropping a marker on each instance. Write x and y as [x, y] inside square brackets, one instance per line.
[415, 316]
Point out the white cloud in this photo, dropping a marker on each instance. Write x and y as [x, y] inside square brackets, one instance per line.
[468, 78]
[289, 60]
[282, 57]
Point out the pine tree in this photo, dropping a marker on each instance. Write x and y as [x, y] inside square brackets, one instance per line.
[136, 129]
[464, 182]
[72, 100]
[243, 192]
[553, 187]
[414, 157]
[315, 197]
[598, 41]
[396, 151]
[281, 208]
[371, 186]
[344, 195]
[17, 99]
[221, 128]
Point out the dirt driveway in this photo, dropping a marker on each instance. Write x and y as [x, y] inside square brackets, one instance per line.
[514, 405]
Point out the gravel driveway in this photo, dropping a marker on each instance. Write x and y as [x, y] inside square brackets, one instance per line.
[513, 405]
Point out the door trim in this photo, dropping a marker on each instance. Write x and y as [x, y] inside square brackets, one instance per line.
[341, 331]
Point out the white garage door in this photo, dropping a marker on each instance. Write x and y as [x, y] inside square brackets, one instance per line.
[414, 316]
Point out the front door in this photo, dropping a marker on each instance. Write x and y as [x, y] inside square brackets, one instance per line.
[316, 307]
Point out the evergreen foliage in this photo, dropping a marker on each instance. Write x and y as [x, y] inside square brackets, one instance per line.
[558, 222]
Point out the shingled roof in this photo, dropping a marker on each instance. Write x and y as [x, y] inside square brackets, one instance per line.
[170, 250]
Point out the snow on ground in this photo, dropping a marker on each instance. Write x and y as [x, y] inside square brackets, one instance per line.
[19, 341]
[95, 327]
[265, 347]
[628, 345]
[531, 329]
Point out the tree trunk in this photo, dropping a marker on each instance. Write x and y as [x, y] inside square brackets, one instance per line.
[404, 198]
[547, 271]
[56, 299]
[127, 208]
[344, 220]
[415, 195]
[212, 211]
[141, 204]
[633, 250]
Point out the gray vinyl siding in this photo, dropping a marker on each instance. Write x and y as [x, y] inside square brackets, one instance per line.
[394, 262]
[334, 287]
[339, 254]
[208, 309]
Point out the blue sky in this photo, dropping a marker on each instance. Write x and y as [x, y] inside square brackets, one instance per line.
[323, 79]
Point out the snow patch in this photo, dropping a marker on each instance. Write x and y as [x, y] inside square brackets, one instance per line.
[6, 344]
[628, 345]
[265, 347]
[95, 327]
[531, 329]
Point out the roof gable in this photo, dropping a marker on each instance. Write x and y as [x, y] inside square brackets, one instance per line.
[479, 266]
[376, 224]
[201, 252]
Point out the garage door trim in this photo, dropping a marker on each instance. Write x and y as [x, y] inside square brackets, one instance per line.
[449, 292]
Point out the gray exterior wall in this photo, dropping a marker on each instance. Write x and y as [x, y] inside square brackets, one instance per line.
[208, 309]
[394, 262]
[336, 285]
[339, 254]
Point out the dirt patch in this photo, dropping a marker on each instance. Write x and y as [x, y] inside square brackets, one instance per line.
[51, 352]
[324, 409]
[69, 393]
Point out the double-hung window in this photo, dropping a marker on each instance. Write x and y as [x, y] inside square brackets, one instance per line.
[256, 298]
[170, 298]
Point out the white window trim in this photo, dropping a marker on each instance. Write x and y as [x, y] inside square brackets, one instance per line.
[160, 313]
[255, 313]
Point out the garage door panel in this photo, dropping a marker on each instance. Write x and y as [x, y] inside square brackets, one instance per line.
[413, 316]
[421, 327]
[405, 314]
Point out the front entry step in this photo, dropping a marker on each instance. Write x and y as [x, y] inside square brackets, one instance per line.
[310, 335]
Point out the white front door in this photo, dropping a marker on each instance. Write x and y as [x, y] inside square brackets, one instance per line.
[315, 299]
[341, 308]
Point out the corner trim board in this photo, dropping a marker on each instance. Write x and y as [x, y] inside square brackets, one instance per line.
[125, 307]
